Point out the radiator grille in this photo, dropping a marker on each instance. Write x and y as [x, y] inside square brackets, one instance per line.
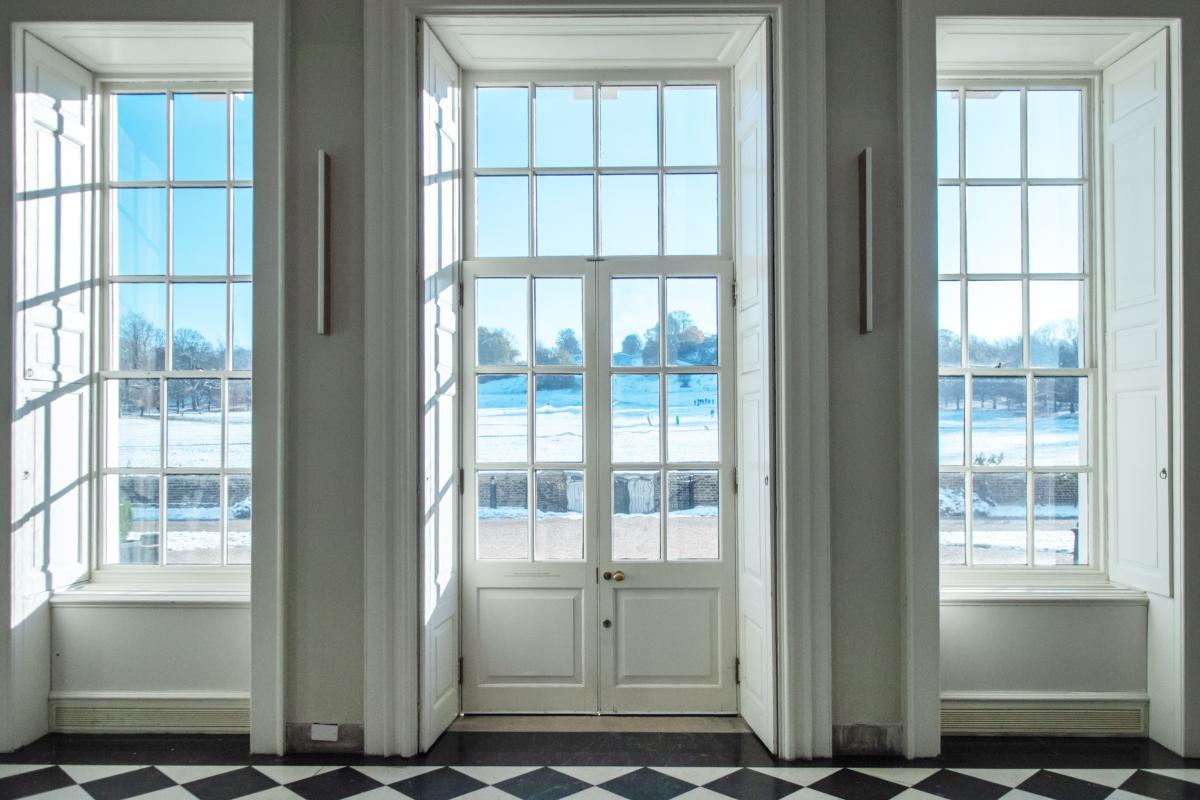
[1129, 721]
[137, 718]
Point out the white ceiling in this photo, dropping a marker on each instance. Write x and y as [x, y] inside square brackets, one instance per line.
[594, 43]
[1056, 45]
[132, 49]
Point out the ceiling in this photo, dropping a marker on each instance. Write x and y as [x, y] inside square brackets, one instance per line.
[594, 43]
[133, 49]
[1057, 45]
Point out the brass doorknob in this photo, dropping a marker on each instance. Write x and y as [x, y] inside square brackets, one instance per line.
[614, 576]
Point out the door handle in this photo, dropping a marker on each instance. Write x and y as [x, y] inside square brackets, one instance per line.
[617, 576]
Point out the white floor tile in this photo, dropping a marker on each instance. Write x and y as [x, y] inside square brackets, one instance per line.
[801, 776]
[1190, 775]
[169, 793]
[696, 775]
[289, 774]
[82, 773]
[66, 793]
[186, 773]
[1104, 777]
[389, 775]
[491, 775]
[1004, 777]
[905, 776]
[8, 770]
[595, 775]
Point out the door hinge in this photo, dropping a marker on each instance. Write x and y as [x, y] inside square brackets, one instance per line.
[462, 291]
[735, 480]
[462, 481]
[597, 575]
[734, 292]
[460, 670]
[737, 671]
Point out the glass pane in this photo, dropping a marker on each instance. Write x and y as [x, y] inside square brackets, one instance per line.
[243, 136]
[243, 325]
[949, 324]
[565, 215]
[998, 422]
[691, 217]
[137, 518]
[502, 501]
[502, 419]
[949, 230]
[201, 147]
[951, 421]
[237, 519]
[141, 137]
[135, 440]
[200, 231]
[563, 126]
[635, 522]
[558, 418]
[1054, 119]
[1060, 422]
[502, 216]
[1054, 323]
[1060, 535]
[243, 231]
[994, 324]
[635, 419]
[692, 321]
[502, 125]
[501, 319]
[998, 518]
[140, 232]
[628, 126]
[993, 229]
[193, 519]
[141, 313]
[947, 134]
[993, 134]
[238, 436]
[558, 530]
[1054, 228]
[952, 511]
[634, 322]
[558, 320]
[628, 215]
[690, 126]
[693, 515]
[693, 433]
[199, 318]
[194, 422]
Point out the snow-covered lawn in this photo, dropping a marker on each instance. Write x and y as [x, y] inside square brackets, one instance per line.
[1001, 433]
[193, 440]
[691, 534]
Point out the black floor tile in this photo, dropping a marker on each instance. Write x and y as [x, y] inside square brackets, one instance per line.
[230, 785]
[440, 784]
[542, 784]
[128, 784]
[851, 785]
[1161, 787]
[1063, 787]
[957, 786]
[333, 785]
[33, 782]
[647, 784]
[746, 784]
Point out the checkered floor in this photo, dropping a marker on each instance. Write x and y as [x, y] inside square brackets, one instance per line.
[551, 783]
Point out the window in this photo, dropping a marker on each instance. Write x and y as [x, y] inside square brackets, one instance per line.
[1017, 376]
[177, 343]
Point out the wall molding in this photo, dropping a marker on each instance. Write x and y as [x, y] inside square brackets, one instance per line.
[1045, 713]
[149, 712]
[1033, 596]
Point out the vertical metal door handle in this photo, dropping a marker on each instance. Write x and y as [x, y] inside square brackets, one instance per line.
[324, 317]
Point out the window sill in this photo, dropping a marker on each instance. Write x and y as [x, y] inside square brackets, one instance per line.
[1095, 594]
[159, 587]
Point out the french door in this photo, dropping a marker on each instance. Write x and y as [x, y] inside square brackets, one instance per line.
[598, 486]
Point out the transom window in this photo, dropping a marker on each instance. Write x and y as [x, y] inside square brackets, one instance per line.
[1015, 296]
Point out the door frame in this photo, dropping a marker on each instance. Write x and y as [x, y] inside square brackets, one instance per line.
[392, 468]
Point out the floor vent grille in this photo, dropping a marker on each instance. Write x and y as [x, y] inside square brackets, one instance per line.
[157, 715]
[1055, 720]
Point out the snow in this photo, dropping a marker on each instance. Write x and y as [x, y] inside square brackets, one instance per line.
[193, 440]
[1001, 432]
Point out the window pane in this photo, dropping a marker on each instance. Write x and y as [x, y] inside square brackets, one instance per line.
[949, 230]
[502, 216]
[993, 229]
[949, 324]
[502, 419]
[243, 325]
[243, 231]
[1054, 229]
[628, 126]
[693, 430]
[134, 432]
[1060, 422]
[563, 126]
[1054, 119]
[193, 519]
[998, 422]
[200, 232]
[502, 125]
[993, 134]
[692, 322]
[693, 515]
[201, 147]
[243, 136]
[501, 319]
[141, 137]
[994, 324]
[691, 217]
[952, 510]
[237, 519]
[558, 320]
[565, 215]
[1054, 323]
[951, 421]
[947, 134]
[558, 531]
[140, 231]
[635, 522]
[998, 518]
[239, 420]
[635, 419]
[558, 418]
[628, 215]
[1060, 535]
[199, 319]
[502, 528]
[634, 322]
[690, 126]
[141, 313]
[137, 517]
[194, 423]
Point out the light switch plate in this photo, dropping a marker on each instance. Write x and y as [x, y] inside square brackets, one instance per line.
[324, 732]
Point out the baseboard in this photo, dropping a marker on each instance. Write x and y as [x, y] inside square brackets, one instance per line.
[149, 712]
[1045, 713]
[867, 740]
